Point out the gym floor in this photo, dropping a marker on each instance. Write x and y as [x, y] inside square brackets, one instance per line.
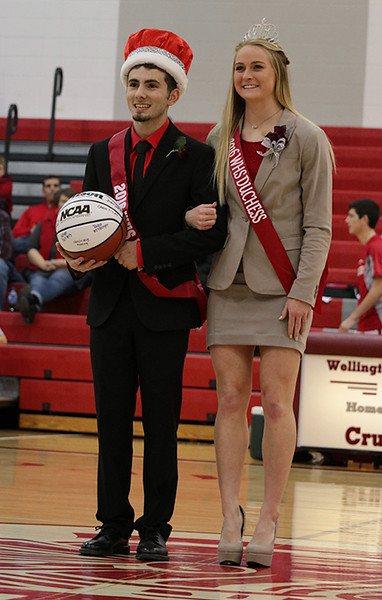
[329, 541]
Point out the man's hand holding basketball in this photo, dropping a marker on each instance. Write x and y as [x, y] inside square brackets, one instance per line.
[80, 264]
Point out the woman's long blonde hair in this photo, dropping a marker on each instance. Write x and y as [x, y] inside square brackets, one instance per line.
[234, 107]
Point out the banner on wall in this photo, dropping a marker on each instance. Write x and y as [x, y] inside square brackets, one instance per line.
[340, 403]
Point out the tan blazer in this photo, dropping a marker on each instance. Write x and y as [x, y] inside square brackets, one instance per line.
[297, 195]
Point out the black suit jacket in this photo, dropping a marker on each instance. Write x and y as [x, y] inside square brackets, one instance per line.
[170, 249]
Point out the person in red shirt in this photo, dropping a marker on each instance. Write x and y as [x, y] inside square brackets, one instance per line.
[5, 185]
[34, 214]
[362, 218]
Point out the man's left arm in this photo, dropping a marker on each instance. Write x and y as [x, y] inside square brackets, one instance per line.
[170, 250]
[370, 300]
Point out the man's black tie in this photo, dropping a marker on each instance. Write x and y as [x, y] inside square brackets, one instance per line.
[141, 149]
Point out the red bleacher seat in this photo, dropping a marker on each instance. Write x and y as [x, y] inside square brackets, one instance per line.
[21, 262]
[76, 184]
[350, 178]
[339, 275]
[344, 254]
[354, 137]
[73, 304]
[340, 230]
[70, 330]
[342, 197]
[357, 157]
[331, 315]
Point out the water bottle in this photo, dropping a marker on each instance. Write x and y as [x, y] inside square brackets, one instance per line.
[12, 299]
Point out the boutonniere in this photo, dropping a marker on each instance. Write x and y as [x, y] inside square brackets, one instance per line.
[180, 147]
[275, 141]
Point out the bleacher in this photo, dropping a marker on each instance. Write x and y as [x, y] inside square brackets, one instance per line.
[358, 175]
[52, 364]
[50, 359]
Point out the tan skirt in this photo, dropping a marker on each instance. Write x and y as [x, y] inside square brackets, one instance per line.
[238, 316]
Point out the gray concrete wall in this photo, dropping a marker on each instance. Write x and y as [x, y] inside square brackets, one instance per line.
[335, 48]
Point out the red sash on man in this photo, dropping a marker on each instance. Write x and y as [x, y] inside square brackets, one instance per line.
[261, 222]
[188, 289]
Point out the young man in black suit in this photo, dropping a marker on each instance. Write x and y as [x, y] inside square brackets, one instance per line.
[145, 300]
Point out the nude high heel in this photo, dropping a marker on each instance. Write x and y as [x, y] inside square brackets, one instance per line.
[231, 553]
[260, 554]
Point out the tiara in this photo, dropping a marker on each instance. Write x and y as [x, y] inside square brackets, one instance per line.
[264, 31]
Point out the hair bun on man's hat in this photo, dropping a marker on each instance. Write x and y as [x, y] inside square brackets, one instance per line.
[162, 48]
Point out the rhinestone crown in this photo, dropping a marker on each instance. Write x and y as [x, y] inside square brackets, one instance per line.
[264, 31]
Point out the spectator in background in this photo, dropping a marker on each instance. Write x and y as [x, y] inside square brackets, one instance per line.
[362, 219]
[5, 185]
[47, 274]
[32, 215]
[8, 271]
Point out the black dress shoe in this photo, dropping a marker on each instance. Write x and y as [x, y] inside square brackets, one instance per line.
[108, 541]
[27, 304]
[152, 546]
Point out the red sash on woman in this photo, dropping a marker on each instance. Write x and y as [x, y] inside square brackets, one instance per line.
[261, 222]
[188, 289]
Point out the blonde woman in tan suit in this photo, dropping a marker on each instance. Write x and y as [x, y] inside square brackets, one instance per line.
[263, 146]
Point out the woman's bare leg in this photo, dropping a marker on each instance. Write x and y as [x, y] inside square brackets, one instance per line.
[233, 367]
[278, 375]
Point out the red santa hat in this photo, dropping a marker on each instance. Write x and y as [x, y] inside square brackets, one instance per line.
[162, 48]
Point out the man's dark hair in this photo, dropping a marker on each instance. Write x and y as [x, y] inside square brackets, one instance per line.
[366, 207]
[170, 81]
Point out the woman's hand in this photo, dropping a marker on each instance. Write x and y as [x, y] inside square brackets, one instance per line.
[201, 217]
[80, 264]
[298, 313]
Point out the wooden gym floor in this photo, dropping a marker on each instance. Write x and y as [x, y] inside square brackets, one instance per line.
[329, 539]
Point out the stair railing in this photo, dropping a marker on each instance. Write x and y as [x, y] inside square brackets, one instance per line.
[57, 89]
[12, 121]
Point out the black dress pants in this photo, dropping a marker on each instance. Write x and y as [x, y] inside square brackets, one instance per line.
[126, 355]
